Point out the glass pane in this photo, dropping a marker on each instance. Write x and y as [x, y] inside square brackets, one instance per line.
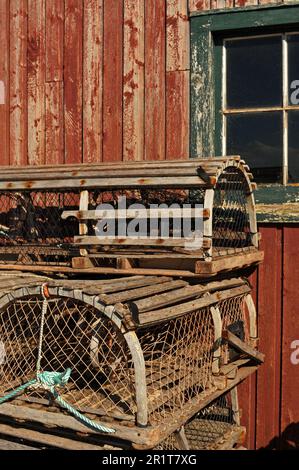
[254, 72]
[293, 54]
[257, 137]
[293, 173]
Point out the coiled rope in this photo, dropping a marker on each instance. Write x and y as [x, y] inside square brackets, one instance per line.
[50, 380]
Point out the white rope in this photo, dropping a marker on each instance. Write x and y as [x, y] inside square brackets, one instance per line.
[41, 334]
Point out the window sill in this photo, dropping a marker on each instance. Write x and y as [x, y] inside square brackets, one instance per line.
[277, 204]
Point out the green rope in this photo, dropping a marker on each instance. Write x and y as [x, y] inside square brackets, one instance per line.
[48, 381]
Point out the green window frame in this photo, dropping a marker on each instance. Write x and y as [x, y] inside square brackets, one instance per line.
[207, 33]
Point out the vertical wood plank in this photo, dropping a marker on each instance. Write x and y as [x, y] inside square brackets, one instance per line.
[54, 123]
[4, 82]
[197, 5]
[177, 115]
[92, 80]
[113, 80]
[290, 342]
[36, 82]
[54, 40]
[133, 104]
[155, 15]
[18, 82]
[269, 326]
[247, 389]
[178, 43]
[73, 80]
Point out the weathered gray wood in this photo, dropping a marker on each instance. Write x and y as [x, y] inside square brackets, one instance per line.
[235, 405]
[63, 421]
[142, 292]
[188, 307]
[181, 439]
[106, 183]
[48, 440]
[78, 168]
[132, 213]
[182, 294]
[234, 341]
[11, 445]
[124, 241]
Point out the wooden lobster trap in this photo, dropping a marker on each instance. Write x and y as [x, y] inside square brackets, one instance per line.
[50, 216]
[215, 427]
[145, 353]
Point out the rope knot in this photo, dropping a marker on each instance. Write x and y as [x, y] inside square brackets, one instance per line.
[50, 380]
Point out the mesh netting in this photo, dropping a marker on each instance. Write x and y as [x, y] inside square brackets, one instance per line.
[178, 357]
[234, 319]
[231, 224]
[31, 228]
[206, 428]
[75, 336]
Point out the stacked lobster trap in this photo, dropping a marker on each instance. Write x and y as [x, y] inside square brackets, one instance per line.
[151, 358]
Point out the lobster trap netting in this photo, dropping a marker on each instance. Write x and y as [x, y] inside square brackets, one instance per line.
[205, 429]
[31, 228]
[178, 360]
[235, 319]
[75, 336]
[177, 357]
[231, 218]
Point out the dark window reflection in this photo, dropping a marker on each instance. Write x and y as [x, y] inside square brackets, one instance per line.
[254, 72]
[257, 137]
[293, 173]
[293, 53]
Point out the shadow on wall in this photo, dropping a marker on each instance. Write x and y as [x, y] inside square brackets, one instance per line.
[289, 439]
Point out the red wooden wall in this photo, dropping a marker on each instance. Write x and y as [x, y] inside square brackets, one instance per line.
[92, 80]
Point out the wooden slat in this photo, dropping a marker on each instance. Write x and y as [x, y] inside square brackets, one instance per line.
[54, 123]
[131, 213]
[113, 80]
[155, 16]
[124, 241]
[226, 263]
[78, 167]
[36, 81]
[18, 82]
[133, 103]
[157, 182]
[73, 80]
[177, 115]
[123, 172]
[92, 80]
[179, 310]
[142, 292]
[179, 295]
[48, 440]
[60, 420]
[4, 82]
[244, 348]
[177, 35]
[54, 40]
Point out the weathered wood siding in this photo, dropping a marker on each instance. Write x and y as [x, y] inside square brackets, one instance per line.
[94, 80]
[108, 80]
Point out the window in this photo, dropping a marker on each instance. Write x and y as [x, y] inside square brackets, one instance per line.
[245, 92]
[260, 104]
